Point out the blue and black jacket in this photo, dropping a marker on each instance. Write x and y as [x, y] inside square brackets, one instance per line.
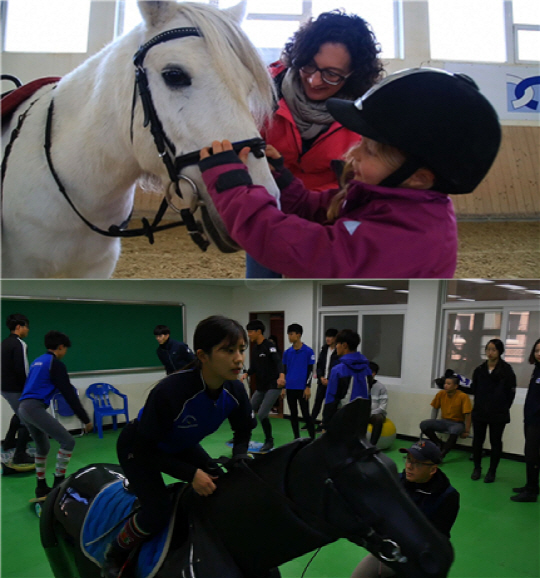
[48, 376]
[181, 411]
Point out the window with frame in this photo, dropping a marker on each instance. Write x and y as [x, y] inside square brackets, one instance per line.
[468, 332]
[486, 30]
[269, 25]
[54, 26]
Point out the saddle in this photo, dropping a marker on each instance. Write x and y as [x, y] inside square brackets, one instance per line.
[201, 552]
[15, 98]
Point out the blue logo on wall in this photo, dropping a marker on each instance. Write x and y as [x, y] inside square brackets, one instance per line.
[523, 94]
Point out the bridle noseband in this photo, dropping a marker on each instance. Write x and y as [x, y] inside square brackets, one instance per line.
[166, 151]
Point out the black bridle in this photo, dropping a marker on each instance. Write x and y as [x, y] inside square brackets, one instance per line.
[166, 151]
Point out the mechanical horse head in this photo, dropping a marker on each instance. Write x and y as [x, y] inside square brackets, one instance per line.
[304, 495]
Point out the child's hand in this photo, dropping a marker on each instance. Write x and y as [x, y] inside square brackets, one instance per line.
[226, 145]
[272, 153]
[275, 160]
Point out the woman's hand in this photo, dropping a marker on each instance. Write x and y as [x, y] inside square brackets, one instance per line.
[226, 145]
[203, 483]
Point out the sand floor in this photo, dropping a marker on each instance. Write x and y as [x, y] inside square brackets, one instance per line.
[486, 249]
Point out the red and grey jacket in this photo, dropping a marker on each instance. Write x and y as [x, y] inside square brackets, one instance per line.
[312, 167]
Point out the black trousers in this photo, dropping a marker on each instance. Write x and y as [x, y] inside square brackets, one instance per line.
[144, 471]
[295, 397]
[496, 431]
[319, 400]
[532, 456]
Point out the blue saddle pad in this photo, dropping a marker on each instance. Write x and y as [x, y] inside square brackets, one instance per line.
[110, 508]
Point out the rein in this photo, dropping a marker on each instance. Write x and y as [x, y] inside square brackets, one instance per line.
[166, 151]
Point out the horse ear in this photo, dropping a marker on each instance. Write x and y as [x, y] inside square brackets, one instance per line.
[351, 421]
[238, 12]
[156, 13]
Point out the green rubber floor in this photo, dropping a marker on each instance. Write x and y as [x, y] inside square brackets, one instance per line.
[493, 537]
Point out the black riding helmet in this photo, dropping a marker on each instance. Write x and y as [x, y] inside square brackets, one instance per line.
[440, 121]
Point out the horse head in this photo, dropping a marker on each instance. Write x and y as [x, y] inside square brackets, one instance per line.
[209, 84]
[363, 498]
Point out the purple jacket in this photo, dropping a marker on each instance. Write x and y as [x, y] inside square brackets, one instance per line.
[381, 232]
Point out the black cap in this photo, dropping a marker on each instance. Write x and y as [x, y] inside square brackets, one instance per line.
[424, 450]
[436, 117]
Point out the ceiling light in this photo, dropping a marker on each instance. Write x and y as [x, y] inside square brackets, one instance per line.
[453, 296]
[370, 287]
[482, 281]
[511, 287]
[405, 291]
[533, 291]
[462, 299]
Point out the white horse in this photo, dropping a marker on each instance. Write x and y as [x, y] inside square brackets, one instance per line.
[207, 85]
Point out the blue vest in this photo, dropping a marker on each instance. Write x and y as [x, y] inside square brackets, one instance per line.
[38, 383]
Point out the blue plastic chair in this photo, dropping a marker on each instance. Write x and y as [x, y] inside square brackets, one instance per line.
[99, 394]
[60, 407]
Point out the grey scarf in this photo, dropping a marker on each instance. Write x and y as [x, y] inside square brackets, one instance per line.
[310, 116]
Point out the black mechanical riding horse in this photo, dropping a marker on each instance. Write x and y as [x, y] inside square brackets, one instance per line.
[270, 510]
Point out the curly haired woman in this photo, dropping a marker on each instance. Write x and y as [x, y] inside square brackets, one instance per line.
[333, 55]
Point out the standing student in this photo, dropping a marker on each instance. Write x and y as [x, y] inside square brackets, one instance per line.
[349, 378]
[393, 217]
[494, 389]
[531, 414]
[47, 376]
[430, 489]
[14, 372]
[182, 410]
[173, 354]
[298, 362]
[455, 420]
[328, 357]
[379, 403]
[267, 367]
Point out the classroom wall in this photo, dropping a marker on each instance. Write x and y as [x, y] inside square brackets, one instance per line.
[409, 397]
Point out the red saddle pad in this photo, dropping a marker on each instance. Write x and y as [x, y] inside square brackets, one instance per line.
[11, 101]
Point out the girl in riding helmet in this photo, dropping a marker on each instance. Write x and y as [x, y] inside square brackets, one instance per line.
[181, 410]
[426, 133]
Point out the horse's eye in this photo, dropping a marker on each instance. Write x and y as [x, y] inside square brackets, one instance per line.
[176, 77]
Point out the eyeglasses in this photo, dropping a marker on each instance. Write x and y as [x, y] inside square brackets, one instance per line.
[416, 464]
[328, 76]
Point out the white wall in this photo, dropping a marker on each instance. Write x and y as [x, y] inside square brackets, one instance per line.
[409, 398]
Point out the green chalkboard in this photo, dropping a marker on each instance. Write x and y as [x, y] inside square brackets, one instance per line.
[105, 335]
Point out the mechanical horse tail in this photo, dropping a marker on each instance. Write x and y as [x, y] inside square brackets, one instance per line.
[60, 561]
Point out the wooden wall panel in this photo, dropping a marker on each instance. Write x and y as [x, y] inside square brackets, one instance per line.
[511, 190]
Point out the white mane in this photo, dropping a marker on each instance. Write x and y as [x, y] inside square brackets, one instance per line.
[235, 57]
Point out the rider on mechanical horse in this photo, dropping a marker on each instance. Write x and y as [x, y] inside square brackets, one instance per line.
[179, 413]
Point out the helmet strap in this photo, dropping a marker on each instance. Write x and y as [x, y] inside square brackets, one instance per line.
[406, 170]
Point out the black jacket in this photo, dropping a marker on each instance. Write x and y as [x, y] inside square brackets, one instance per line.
[174, 355]
[14, 364]
[531, 411]
[321, 361]
[266, 364]
[493, 392]
[437, 499]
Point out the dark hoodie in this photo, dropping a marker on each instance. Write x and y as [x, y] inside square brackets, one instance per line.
[437, 499]
[348, 380]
